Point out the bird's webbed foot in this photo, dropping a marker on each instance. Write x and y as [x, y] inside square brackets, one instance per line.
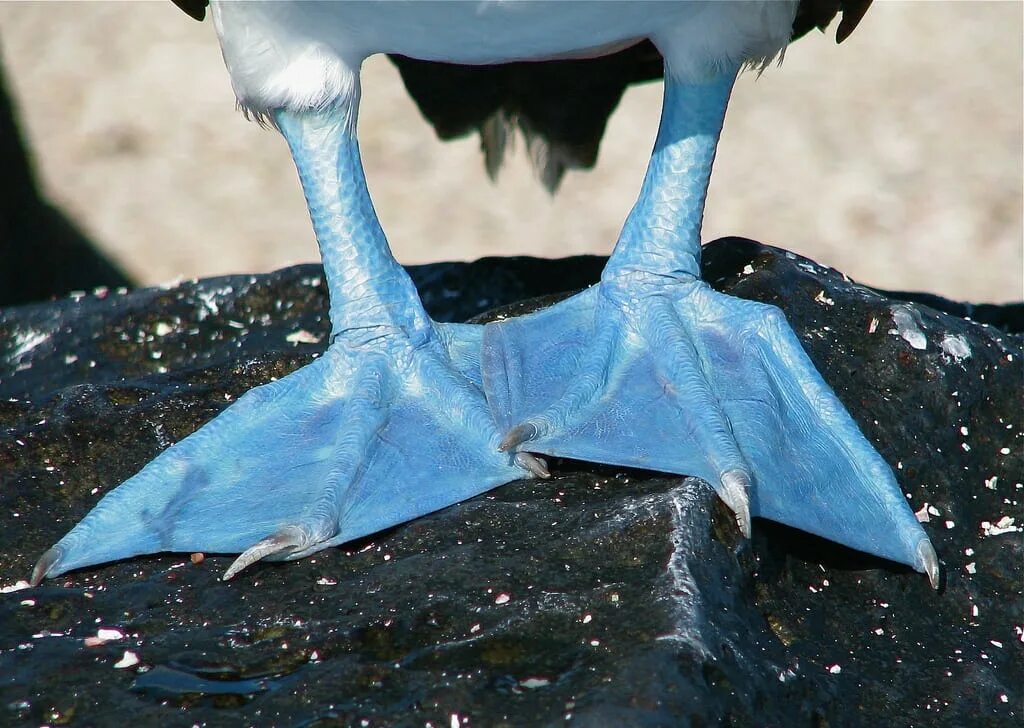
[363, 438]
[667, 374]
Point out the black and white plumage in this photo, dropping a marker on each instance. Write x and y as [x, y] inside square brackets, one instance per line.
[561, 107]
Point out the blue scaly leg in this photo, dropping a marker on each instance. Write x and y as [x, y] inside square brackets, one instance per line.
[652, 368]
[389, 424]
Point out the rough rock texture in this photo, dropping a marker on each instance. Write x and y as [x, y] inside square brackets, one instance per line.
[600, 597]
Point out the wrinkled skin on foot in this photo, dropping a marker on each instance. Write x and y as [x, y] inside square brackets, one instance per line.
[363, 438]
[651, 369]
[670, 375]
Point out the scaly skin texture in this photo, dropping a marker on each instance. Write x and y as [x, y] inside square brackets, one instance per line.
[652, 368]
[381, 429]
[370, 291]
[661, 236]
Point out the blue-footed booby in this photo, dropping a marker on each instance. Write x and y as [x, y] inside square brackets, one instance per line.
[649, 368]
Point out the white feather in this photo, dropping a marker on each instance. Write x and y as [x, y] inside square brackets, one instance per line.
[302, 54]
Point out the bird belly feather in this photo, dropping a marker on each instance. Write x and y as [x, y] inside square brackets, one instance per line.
[298, 54]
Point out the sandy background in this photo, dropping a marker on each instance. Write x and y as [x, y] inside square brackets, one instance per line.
[896, 157]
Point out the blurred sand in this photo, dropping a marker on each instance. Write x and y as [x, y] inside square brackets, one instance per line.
[896, 157]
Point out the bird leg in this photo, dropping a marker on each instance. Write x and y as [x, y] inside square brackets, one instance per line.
[389, 424]
[652, 368]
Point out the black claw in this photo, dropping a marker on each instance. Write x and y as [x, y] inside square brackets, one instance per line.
[736, 494]
[928, 562]
[518, 435]
[288, 539]
[46, 562]
[534, 464]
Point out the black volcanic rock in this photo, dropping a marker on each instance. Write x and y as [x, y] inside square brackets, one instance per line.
[600, 597]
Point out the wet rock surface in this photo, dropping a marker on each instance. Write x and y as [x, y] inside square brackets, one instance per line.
[599, 597]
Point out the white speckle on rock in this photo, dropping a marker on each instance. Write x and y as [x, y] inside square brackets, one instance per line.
[835, 669]
[24, 342]
[16, 586]
[209, 301]
[907, 327]
[971, 568]
[1003, 525]
[302, 337]
[873, 326]
[1004, 451]
[955, 346]
[922, 515]
[748, 269]
[128, 659]
[950, 525]
[823, 299]
[991, 483]
[102, 636]
[502, 598]
[532, 683]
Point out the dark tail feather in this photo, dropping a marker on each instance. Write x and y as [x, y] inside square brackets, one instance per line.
[560, 107]
[819, 13]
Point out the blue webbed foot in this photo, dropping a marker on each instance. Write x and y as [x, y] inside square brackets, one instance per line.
[361, 439]
[674, 376]
[389, 424]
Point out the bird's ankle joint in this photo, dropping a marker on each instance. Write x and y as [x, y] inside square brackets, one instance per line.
[633, 284]
[381, 336]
